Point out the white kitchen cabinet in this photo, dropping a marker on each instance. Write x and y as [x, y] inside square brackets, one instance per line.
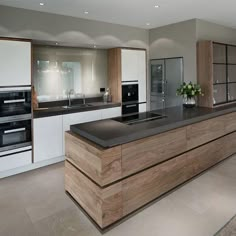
[111, 112]
[48, 138]
[15, 63]
[141, 55]
[77, 118]
[16, 160]
[129, 65]
[142, 107]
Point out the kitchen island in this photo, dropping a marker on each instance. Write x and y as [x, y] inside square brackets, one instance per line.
[113, 167]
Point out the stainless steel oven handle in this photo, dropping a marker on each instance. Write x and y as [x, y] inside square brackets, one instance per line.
[14, 130]
[134, 105]
[14, 101]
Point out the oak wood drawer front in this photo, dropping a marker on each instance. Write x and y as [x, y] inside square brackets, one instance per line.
[103, 205]
[230, 122]
[146, 152]
[205, 131]
[102, 165]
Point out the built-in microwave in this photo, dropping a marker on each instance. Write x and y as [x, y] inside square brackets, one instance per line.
[15, 135]
[15, 103]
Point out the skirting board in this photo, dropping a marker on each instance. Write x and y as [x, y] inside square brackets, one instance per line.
[32, 166]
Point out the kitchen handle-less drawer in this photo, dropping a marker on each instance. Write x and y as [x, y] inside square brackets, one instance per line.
[16, 160]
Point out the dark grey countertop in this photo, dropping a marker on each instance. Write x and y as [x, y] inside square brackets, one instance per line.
[109, 133]
[60, 110]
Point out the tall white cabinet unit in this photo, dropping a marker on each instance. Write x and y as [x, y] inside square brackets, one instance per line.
[128, 65]
[15, 61]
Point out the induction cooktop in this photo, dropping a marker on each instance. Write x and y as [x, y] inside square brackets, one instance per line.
[138, 118]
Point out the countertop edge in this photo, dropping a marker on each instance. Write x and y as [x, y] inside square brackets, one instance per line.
[64, 111]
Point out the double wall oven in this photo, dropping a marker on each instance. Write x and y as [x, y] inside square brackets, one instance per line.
[130, 97]
[15, 120]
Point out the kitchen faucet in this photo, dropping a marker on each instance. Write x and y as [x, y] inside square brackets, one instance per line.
[69, 96]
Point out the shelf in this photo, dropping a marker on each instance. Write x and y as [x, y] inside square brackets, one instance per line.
[219, 83]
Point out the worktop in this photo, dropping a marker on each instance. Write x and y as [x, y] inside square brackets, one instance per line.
[110, 133]
[113, 169]
[62, 110]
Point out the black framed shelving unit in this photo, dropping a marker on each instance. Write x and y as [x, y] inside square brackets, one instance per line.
[216, 70]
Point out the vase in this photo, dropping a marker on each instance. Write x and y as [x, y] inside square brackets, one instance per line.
[189, 102]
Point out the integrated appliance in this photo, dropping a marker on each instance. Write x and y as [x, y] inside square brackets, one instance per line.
[166, 77]
[138, 118]
[15, 120]
[130, 97]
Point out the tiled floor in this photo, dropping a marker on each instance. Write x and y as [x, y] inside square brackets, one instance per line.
[35, 204]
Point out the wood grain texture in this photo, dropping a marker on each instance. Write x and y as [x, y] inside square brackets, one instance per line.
[103, 205]
[149, 151]
[230, 122]
[114, 73]
[101, 165]
[205, 72]
[205, 131]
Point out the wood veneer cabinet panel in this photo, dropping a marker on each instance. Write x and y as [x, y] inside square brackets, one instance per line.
[149, 151]
[205, 72]
[148, 185]
[230, 144]
[103, 205]
[102, 165]
[205, 131]
[114, 73]
[230, 122]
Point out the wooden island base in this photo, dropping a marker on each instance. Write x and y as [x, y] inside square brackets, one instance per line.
[111, 183]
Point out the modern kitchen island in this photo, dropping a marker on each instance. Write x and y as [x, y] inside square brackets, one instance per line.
[114, 167]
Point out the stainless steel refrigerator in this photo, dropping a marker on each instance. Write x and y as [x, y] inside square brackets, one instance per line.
[166, 77]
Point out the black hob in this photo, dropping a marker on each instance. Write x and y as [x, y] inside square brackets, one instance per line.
[138, 118]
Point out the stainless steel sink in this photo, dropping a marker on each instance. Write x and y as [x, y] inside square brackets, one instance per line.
[78, 106]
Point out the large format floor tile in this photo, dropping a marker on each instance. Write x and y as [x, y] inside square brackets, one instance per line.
[35, 204]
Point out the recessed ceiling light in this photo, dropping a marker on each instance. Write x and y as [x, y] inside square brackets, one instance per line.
[41, 4]
[86, 12]
[156, 6]
[94, 46]
[148, 23]
[57, 43]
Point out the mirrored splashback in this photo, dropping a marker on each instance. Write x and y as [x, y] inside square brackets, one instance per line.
[57, 70]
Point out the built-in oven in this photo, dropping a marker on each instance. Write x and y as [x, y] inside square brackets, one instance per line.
[15, 104]
[15, 134]
[130, 92]
[130, 97]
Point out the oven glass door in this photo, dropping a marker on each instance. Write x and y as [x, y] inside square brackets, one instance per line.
[15, 134]
[13, 103]
[130, 93]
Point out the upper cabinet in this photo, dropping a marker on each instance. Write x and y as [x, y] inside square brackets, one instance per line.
[127, 65]
[15, 63]
[216, 67]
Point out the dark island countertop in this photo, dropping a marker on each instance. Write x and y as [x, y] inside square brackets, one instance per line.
[109, 133]
[62, 110]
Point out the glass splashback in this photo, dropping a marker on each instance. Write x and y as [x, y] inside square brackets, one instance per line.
[60, 69]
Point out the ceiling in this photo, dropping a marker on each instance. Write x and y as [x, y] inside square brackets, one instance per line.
[137, 12]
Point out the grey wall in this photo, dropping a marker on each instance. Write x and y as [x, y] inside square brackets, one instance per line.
[176, 40]
[210, 31]
[15, 22]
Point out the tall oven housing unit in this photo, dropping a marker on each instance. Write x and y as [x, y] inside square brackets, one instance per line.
[127, 75]
[15, 105]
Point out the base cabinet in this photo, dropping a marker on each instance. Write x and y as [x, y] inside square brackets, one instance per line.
[17, 160]
[48, 139]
